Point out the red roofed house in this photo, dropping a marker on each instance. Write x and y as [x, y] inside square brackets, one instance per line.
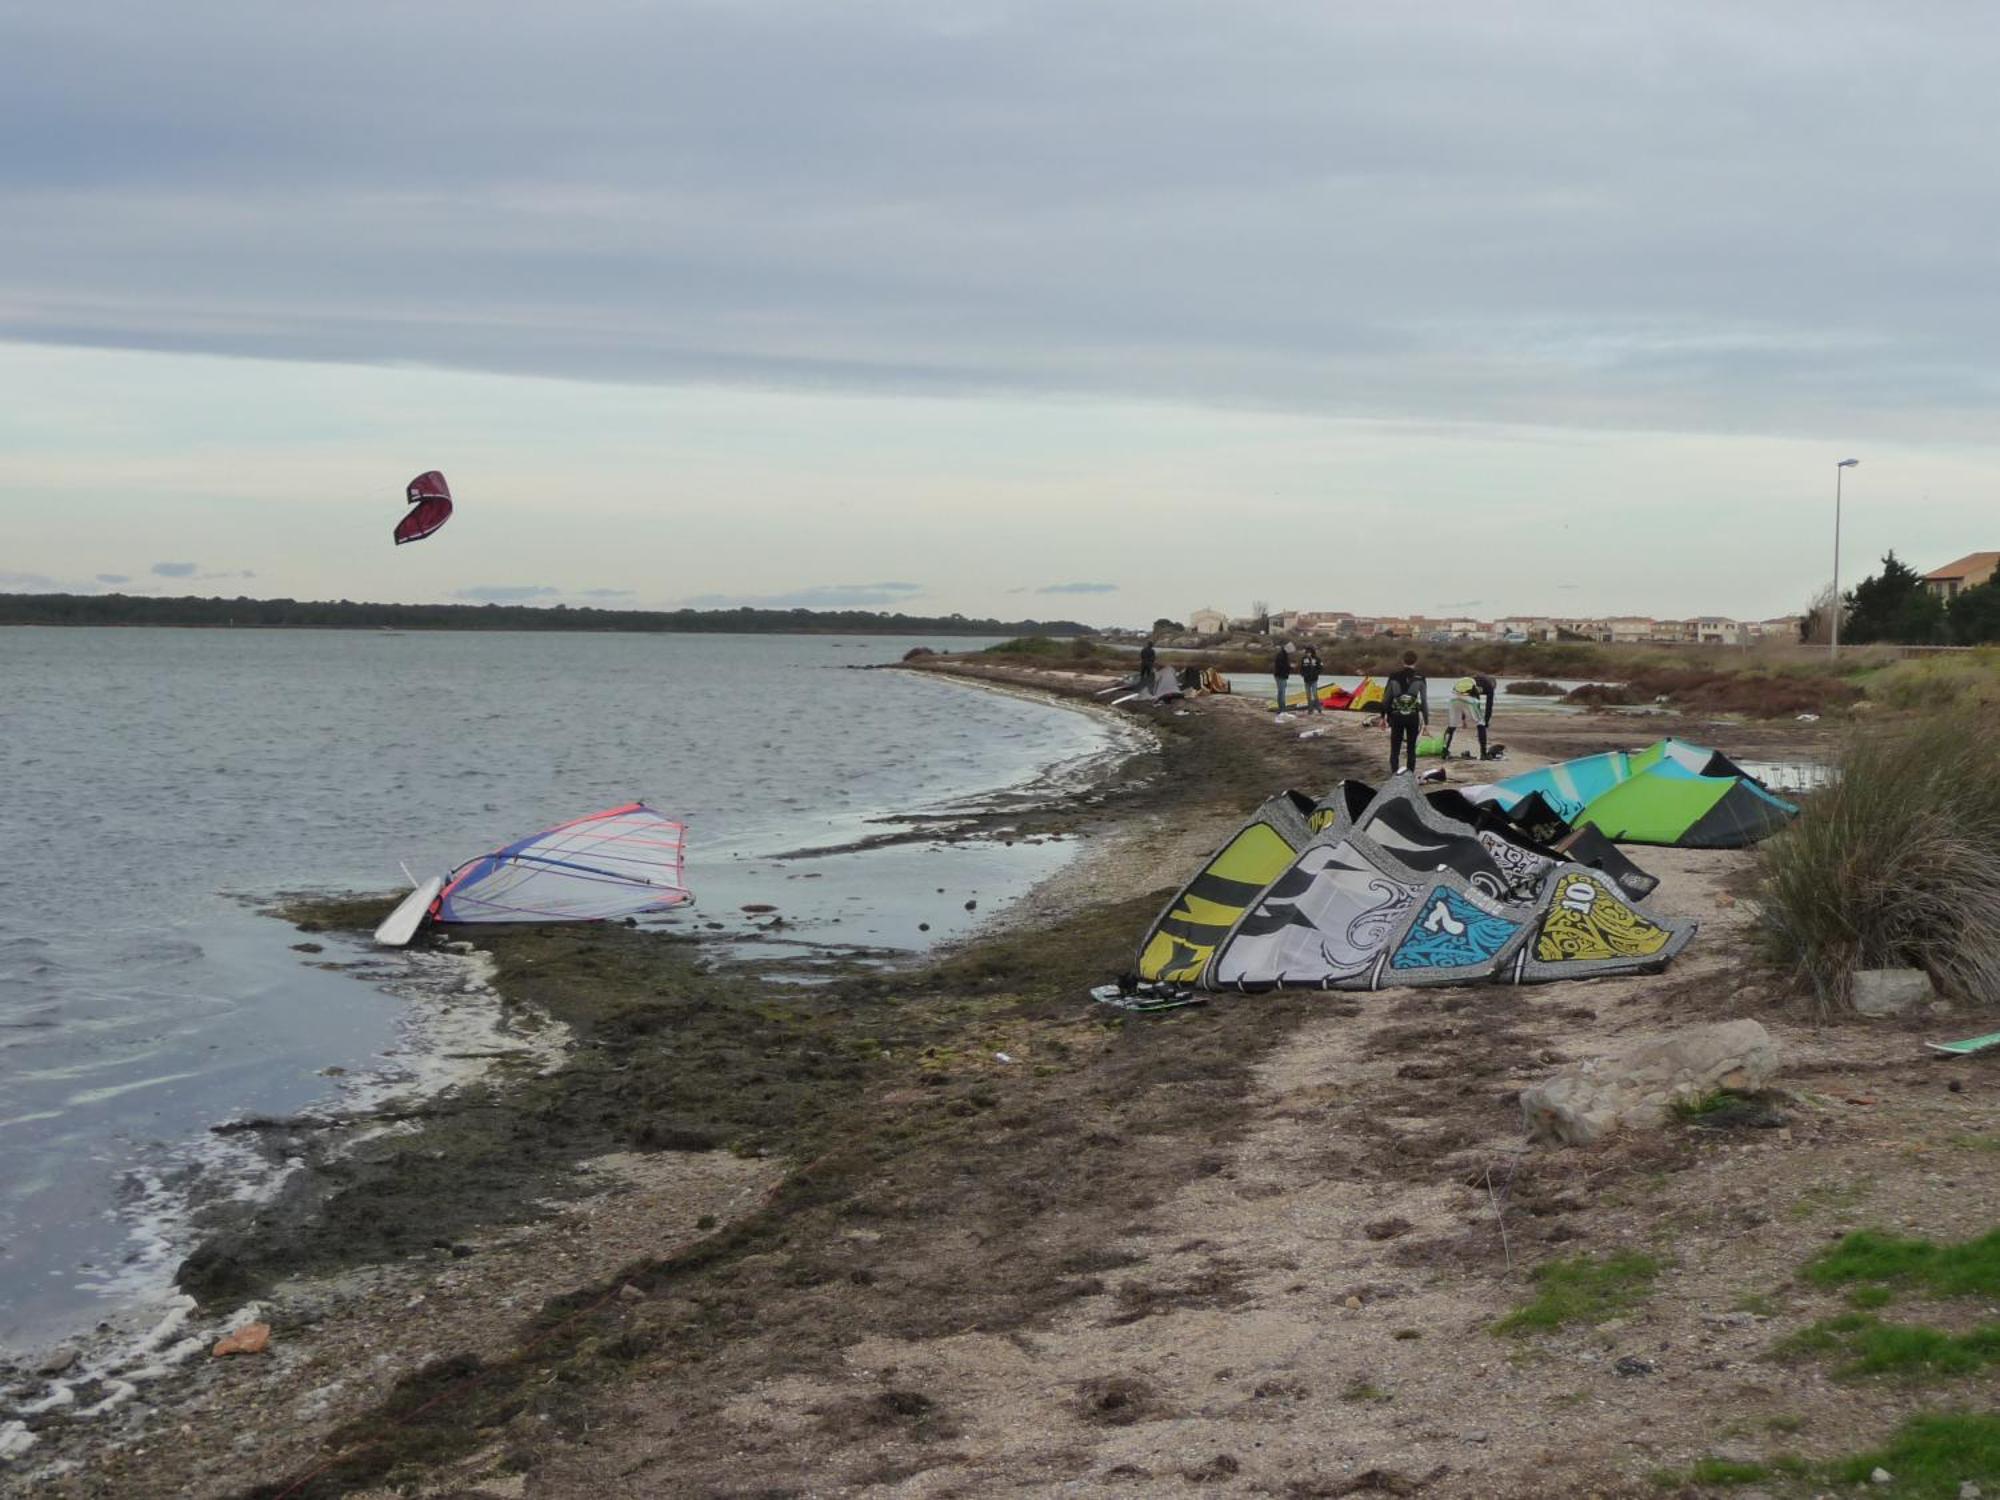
[1969, 572]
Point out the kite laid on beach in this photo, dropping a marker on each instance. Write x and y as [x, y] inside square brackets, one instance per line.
[618, 863]
[430, 502]
[1371, 888]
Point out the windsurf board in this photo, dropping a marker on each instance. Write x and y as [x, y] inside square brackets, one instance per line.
[401, 924]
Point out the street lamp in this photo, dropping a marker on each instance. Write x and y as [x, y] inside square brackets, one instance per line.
[1833, 647]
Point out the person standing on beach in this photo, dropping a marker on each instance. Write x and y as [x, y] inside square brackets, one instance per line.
[1463, 713]
[1309, 675]
[1485, 687]
[1147, 656]
[1406, 705]
[1281, 668]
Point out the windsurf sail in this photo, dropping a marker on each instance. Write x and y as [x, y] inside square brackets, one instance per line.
[430, 499]
[617, 863]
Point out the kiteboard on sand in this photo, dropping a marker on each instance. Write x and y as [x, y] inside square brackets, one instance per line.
[1967, 1047]
[1147, 998]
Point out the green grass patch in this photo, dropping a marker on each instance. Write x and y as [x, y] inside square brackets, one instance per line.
[1708, 1104]
[1867, 1346]
[1727, 1471]
[1871, 1296]
[1584, 1289]
[1932, 1455]
[1968, 1269]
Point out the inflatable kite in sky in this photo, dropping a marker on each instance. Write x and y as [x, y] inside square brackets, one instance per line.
[430, 499]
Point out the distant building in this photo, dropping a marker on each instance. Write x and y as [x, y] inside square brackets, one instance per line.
[1208, 622]
[1627, 630]
[1969, 572]
[1714, 630]
[1323, 622]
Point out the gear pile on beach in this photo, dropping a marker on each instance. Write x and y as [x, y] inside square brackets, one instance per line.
[1520, 881]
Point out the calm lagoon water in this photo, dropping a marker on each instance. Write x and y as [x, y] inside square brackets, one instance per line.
[158, 786]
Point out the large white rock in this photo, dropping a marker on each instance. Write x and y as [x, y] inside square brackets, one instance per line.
[1890, 992]
[1638, 1087]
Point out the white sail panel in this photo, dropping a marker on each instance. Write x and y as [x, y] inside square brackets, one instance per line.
[617, 863]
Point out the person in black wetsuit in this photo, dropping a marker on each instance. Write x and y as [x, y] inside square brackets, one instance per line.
[1406, 705]
[1281, 669]
[1309, 675]
[1147, 657]
[1485, 687]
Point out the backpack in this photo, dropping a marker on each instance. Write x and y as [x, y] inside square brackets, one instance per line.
[1406, 700]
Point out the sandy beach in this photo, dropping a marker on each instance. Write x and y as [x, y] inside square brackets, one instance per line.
[953, 1230]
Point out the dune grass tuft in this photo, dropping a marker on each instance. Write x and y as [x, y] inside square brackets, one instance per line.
[1897, 864]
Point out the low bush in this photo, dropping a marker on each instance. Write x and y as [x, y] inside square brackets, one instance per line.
[1895, 865]
[1032, 645]
[1602, 695]
[1963, 679]
[1533, 687]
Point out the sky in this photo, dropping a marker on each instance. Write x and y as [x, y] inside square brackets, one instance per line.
[1101, 311]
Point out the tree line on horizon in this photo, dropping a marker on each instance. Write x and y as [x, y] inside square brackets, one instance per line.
[1893, 607]
[346, 614]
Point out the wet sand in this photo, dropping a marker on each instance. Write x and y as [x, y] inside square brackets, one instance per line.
[950, 1229]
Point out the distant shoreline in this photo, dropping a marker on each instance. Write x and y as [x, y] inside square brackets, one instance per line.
[193, 612]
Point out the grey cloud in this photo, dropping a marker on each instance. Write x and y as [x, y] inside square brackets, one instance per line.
[505, 593]
[29, 583]
[1737, 222]
[606, 594]
[175, 569]
[1078, 588]
[818, 596]
[113, 578]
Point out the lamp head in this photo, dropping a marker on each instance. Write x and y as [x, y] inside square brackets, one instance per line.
[1847, 463]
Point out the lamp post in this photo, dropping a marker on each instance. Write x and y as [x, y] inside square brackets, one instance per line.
[1839, 472]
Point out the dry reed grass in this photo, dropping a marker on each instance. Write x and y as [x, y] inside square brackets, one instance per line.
[1897, 865]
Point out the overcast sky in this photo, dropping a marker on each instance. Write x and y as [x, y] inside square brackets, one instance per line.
[1093, 310]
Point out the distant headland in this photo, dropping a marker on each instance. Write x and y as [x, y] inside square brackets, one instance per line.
[346, 614]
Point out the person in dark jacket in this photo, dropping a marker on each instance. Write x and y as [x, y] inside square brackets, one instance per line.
[1406, 705]
[1281, 668]
[1486, 687]
[1147, 657]
[1309, 676]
